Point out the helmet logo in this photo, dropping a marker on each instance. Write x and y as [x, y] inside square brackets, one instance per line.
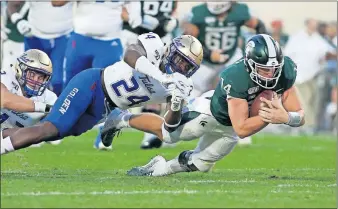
[25, 59]
[249, 47]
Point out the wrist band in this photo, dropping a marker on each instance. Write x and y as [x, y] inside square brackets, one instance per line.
[39, 106]
[294, 119]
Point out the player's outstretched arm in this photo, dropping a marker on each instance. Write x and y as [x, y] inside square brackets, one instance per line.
[239, 115]
[19, 103]
[136, 57]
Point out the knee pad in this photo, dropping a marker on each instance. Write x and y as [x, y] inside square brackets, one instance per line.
[185, 160]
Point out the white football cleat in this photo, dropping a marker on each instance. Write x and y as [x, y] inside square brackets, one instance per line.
[155, 167]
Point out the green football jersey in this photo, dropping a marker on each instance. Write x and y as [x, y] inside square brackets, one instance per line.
[14, 35]
[158, 9]
[236, 82]
[220, 35]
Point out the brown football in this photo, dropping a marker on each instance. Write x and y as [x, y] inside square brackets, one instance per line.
[256, 105]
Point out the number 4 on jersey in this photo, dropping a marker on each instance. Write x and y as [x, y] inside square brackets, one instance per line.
[226, 87]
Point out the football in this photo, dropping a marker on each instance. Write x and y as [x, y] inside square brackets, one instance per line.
[255, 106]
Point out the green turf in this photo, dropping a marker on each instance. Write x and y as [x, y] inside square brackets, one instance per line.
[273, 172]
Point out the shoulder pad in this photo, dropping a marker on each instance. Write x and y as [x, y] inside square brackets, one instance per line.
[154, 47]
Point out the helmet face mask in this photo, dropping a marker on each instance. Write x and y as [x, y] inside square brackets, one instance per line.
[265, 76]
[264, 60]
[33, 71]
[183, 55]
[218, 8]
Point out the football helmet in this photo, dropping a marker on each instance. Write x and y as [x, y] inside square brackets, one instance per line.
[217, 8]
[33, 70]
[183, 54]
[264, 60]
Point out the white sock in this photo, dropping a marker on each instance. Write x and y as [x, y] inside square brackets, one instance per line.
[6, 145]
[173, 166]
[125, 120]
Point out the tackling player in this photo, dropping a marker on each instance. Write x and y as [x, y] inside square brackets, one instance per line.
[126, 84]
[157, 17]
[47, 29]
[219, 115]
[23, 90]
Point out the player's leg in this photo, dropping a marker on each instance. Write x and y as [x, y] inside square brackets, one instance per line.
[33, 43]
[77, 57]
[78, 97]
[57, 56]
[211, 148]
[105, 53]
[150, 140]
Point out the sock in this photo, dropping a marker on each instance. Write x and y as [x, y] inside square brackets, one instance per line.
[6, 146]
[125, 120]
[173, 166]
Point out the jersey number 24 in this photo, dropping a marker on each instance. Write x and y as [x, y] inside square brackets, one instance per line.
[133, 99]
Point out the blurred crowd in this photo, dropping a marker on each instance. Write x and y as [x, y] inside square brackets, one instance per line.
[313, 48]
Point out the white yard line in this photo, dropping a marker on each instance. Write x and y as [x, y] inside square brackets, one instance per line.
[305, 185]
[143, 192]
[118, 192]
[222, 181]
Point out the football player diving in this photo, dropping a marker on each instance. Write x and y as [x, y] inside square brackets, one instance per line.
[128, 83]
[217, 117]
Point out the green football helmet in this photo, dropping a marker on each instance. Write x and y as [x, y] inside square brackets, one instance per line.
[264, 60]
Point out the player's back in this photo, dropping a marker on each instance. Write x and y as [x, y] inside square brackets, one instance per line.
[48, 21]
[129, 88]
[99, 19]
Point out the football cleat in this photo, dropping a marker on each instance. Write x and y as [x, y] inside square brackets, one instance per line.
[155, 167]
[150, 143]
[98, 142]
[112, 126]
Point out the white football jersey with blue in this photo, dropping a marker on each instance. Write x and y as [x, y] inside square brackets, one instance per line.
[98, 19]
[129, 88]
[50, 22]
[10, 118]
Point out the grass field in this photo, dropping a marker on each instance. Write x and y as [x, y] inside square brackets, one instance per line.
[273, 172]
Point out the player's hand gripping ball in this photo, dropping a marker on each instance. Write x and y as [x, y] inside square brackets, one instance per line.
[257, 103]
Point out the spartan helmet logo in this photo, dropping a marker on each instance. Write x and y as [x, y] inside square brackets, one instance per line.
[249, 47]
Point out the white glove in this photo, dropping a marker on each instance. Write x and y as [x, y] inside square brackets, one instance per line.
[180, 88]
[4, 32]
[24, 28]
[170, 25]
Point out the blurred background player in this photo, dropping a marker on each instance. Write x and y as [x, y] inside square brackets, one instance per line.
[95, 42]
[25, 99]
[47, 28]
[143, 17]
[156, 16]
[217, 25]
[12, 41]
[310, 51]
